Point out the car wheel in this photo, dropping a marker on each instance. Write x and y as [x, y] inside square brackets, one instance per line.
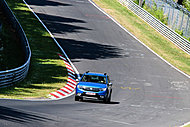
[106, 100]
[81, 99]
[76, 98]
[109, 99]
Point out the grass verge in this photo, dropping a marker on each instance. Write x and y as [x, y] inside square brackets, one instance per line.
[146, 34]
[47, 72]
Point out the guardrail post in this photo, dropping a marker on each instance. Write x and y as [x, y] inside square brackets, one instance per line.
[13, 76]
[0, 27]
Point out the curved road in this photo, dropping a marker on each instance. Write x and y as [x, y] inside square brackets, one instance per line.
[147, 92]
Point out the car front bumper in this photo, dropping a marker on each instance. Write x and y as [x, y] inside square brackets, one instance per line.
[89, 94]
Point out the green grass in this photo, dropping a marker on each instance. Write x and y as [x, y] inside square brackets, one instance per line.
[47, 71]
[146, 34]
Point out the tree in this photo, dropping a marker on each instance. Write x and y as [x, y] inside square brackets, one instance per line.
[180, 2]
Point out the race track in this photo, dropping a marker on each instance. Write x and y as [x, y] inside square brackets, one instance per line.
[147, 92]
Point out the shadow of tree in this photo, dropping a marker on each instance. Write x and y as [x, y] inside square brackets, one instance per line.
[47, 3]
[57, 19]
[74, 48]
[14, 115]
[60, 24]
[45, 72]
[89, 50]
[99, 101]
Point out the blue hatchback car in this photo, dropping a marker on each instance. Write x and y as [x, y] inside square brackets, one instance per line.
[94, 85]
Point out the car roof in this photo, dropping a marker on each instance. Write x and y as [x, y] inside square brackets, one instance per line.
[96, 74]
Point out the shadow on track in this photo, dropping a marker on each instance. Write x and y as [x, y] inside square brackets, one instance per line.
[58, 19]
[98, 101]
[75, 49]
[60, 25]
[46, 3]
[89, 50]
[18, 116]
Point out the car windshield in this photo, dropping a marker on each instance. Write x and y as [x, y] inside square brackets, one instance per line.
[94, 78]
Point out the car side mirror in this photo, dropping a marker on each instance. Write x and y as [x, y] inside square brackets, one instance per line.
[110, 84]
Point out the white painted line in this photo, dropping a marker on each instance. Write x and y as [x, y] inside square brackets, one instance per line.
[62, 57]
[138, 39]
[115, 121]
[53, 38]
[69, 72]
[185, 124]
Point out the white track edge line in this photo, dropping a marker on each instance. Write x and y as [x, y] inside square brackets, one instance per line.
[77, 72]
[188, 76]
[185, 124]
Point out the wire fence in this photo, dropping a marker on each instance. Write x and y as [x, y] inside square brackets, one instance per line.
[158, 25]
[178, 17]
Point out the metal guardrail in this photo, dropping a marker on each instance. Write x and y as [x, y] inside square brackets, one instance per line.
[157, 25]
[10, 77]
[178, 17]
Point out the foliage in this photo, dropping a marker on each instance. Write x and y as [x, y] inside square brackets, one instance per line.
[180, 32]
[137, 2]
[157, 13]
[186, 4]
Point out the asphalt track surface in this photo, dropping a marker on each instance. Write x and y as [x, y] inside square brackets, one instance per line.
[147, 92]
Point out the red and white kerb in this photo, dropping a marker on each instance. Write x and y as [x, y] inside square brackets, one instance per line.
[71, 83]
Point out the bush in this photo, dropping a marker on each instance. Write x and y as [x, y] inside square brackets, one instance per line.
[186, 4]
[180, 32]
[157, 13]
[137, 2]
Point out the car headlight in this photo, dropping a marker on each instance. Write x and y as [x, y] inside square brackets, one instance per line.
[102, 89]
[81, 87]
